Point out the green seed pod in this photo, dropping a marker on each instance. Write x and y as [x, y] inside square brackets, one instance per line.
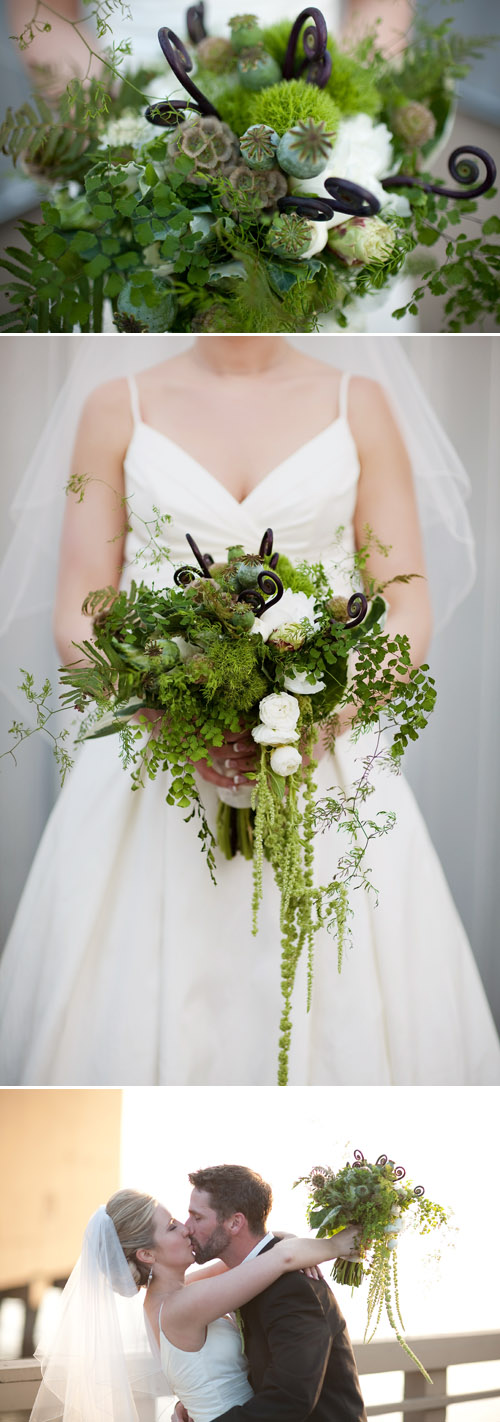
[245, 32]
[258, 146]
[304, 149]
[130, 317]
[247, 573]
[289, 235]
[257, 69]
[243, 618]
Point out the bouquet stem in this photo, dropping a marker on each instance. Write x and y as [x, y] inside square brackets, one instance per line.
[349, 1271]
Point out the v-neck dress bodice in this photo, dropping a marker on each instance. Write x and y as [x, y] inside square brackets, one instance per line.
[126, 966]
[212, 1380]
[305, 499]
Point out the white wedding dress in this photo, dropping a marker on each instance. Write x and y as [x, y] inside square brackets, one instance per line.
[212, 1380]
[126, 966]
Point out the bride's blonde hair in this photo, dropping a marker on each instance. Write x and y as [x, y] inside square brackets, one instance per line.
[133, 1215]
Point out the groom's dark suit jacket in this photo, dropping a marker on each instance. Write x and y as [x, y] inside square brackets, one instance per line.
[300, 1356]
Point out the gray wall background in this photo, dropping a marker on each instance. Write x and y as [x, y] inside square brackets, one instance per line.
[455, 769]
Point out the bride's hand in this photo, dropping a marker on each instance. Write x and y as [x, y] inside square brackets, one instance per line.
[237, 755]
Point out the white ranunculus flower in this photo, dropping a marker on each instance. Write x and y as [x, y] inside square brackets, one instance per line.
[299, 684]
[292, 608]
[279, 711]
[285, 760]
[267, 736]
[319, 237]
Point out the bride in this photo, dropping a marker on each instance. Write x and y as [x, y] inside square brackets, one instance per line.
[92, 1368]
[125, 965]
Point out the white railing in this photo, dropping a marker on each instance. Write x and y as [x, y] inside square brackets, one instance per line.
[20, 1380]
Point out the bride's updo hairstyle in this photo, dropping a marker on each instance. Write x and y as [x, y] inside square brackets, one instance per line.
[133, 1218]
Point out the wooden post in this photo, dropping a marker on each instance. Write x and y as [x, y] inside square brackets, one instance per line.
[417, 1386]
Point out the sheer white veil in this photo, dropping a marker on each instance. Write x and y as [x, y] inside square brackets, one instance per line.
[28, 573]
[99, 1360]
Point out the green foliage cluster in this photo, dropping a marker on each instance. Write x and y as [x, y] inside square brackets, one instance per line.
[351, 84]
[171, 255]
[372, 1196]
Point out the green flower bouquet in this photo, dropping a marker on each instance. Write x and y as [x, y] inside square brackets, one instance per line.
[374, 1197]
[289, 181]
[254, 642]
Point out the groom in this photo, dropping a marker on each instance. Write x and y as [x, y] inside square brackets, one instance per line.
[299, 1352]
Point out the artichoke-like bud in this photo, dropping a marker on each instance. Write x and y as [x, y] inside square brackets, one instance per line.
[216, 54]
[287, 638]
[258, 146]
[245, 32]
[210, 143]
[257, 69]
[338, 608]
[414, 123]
[304, 149]
[263, 189]
[363, 240]
[289, 235]
[129, 317]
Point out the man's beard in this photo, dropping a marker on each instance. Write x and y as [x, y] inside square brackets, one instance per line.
[214, 1246]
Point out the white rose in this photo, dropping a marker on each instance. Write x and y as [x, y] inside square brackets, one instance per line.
[299, 684]
[293, 607]
[266, 736]
[285, 760]
[279, 711]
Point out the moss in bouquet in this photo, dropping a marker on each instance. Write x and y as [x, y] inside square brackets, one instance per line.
[284, 104]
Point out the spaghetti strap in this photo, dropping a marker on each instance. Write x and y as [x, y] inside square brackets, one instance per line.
[134, 399]
[343, 394]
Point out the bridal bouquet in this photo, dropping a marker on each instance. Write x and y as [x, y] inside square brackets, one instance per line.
[256, 643]
[373, 1197]
[289, 180]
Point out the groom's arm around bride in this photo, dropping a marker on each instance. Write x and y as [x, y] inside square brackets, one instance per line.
[296, 1341]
